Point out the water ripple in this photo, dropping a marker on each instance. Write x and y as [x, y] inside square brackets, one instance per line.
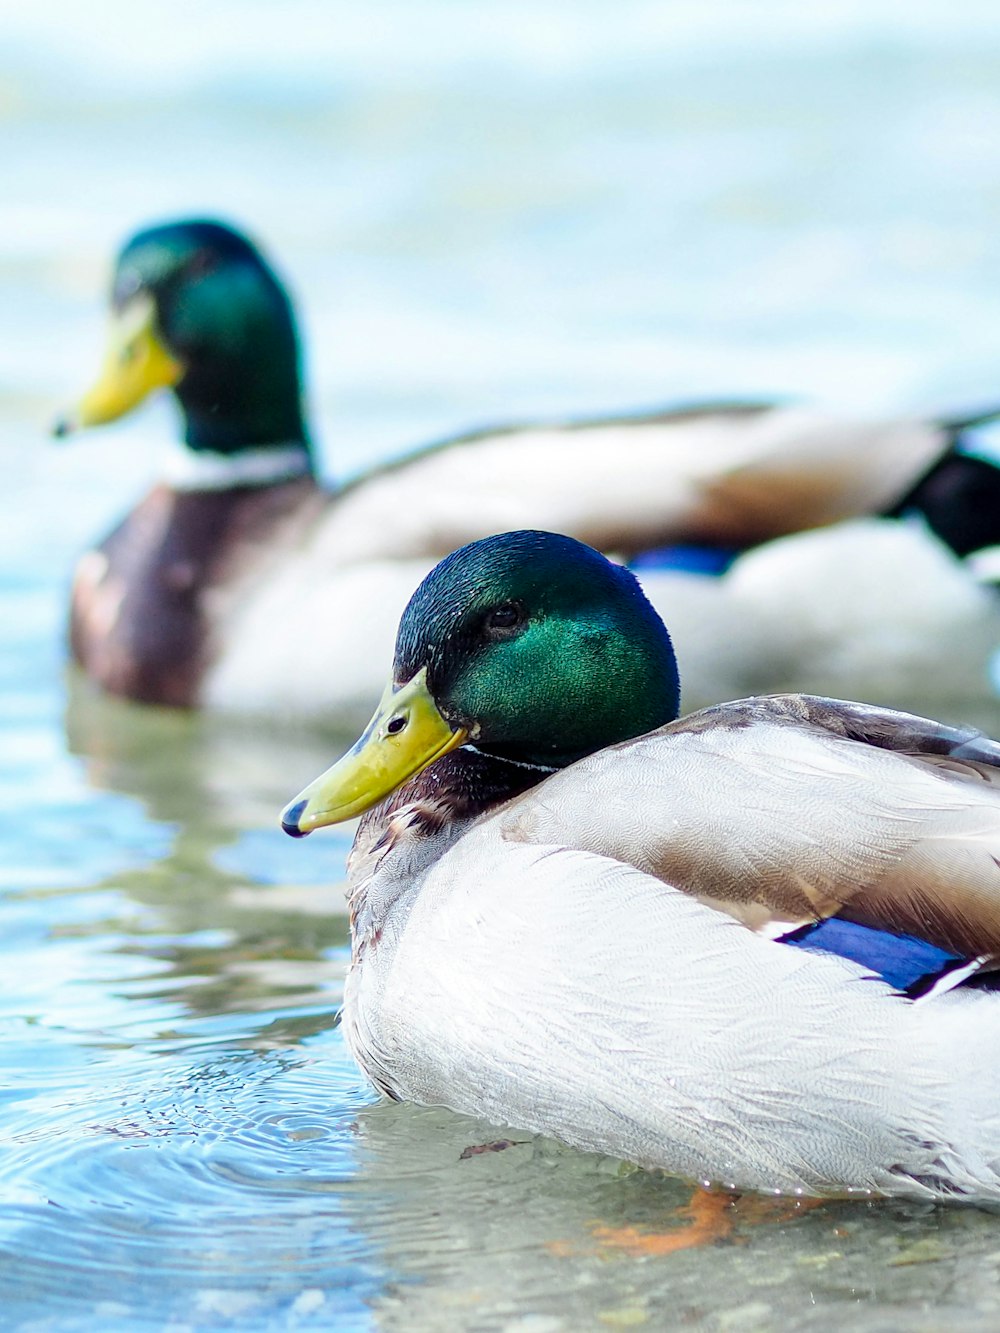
[221, 1172]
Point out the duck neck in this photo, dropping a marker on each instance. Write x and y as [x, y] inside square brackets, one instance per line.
[255, 467]
[240, 431]
[415, 825]
[236, 413]
[458, 788]
[476, 782]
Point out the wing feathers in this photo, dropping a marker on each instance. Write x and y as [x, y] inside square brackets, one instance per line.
[790, 809]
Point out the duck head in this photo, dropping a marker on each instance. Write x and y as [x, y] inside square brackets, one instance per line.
[530, 646]
[196, 308]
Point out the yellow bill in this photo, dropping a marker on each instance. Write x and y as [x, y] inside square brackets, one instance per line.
[405, 736]
[136, 363]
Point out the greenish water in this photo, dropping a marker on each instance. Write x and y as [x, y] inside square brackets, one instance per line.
[486, 212]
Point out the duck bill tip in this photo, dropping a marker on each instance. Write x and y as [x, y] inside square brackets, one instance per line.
[64, 425]
[291, 820]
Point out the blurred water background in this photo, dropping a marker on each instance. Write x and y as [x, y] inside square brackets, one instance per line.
[485, 211]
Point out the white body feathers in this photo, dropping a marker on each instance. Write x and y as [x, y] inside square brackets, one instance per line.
[679, 1039]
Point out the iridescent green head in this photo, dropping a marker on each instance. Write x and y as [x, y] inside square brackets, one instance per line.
[196, 308]
[529, 645]
[539, 647]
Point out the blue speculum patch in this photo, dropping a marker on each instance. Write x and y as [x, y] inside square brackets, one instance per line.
[904, 962]
[709, 560]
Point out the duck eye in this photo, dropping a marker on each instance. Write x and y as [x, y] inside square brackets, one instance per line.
[503, 619]
[396, 725]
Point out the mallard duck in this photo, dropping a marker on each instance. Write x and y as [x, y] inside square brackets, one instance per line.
[743, 945]
[203, 594]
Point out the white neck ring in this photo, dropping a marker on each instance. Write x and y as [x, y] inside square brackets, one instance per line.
[202, 470]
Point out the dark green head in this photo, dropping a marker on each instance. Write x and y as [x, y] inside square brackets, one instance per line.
[531, 646]
[197, 308]
[539, 647]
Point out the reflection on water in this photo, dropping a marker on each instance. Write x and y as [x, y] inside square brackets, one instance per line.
[177, 1105]
[240, 931]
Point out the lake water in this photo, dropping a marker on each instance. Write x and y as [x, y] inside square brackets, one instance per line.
[485, 211]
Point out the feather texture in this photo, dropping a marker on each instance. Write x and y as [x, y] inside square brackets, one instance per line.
[788, 809]
[689, 1043]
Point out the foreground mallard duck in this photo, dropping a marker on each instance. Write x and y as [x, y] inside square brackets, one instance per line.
[205, 592]
[576, 915]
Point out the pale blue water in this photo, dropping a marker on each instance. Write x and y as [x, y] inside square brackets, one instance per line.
[486, 211]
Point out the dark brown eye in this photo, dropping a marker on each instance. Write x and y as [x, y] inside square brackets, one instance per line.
[502, 620]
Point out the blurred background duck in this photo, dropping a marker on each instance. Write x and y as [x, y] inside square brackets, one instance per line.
[873, 609]
[205, 592]
[805, 895]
